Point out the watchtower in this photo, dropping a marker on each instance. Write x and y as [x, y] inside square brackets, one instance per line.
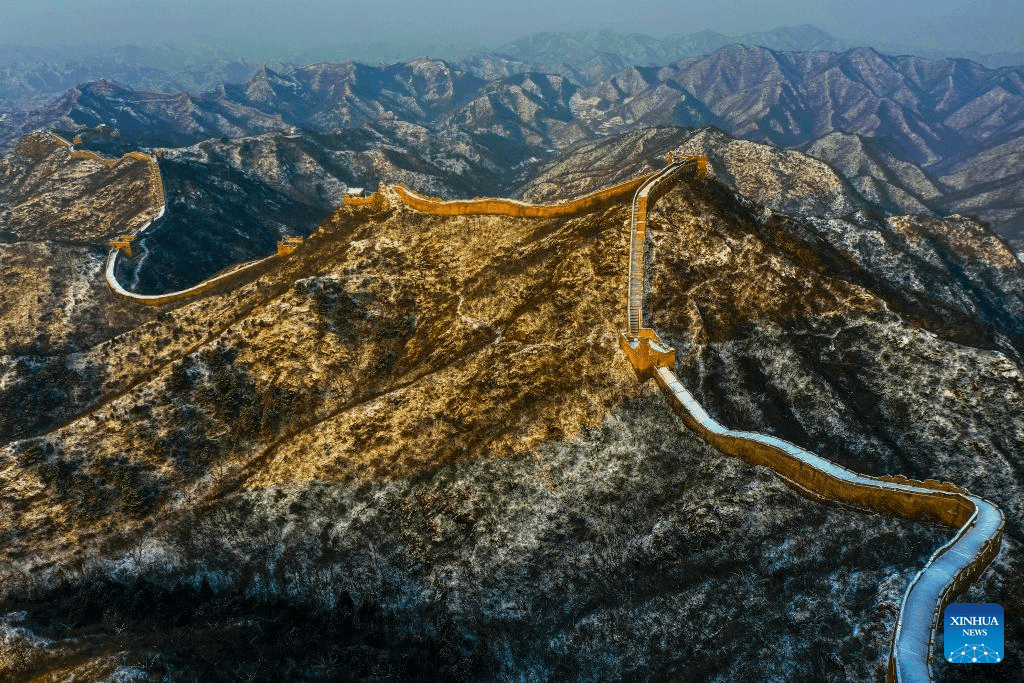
[289, 244]
[123, 244]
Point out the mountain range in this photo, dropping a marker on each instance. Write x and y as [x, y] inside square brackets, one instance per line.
[912, 135]
[412, 449]
[31, 75]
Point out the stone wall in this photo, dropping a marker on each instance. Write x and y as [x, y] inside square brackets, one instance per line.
[979, 524]
[376, 200]
[507, 207]
[173, 297]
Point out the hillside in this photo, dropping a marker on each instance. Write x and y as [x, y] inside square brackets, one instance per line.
[414, 450]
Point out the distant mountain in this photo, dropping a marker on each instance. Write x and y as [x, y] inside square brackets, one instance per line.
[910, 134]
[25, 83]
[29, 76]
[322, 97]
[997, 59]
[962, 123]
[589, 56]
[878, 171]
[33, 76]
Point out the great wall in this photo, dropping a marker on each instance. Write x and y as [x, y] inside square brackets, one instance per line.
[122, 244]
[978, 523]
[950, 569]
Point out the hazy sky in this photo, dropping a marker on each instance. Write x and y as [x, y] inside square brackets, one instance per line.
[301, 26]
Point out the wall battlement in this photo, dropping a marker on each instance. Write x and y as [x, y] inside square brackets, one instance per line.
[375, 200]
[646, 352]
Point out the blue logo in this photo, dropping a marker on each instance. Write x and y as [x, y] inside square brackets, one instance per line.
[973, 633]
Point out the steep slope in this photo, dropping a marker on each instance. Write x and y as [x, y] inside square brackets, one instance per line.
[989, 185]
[56, 212]
[877, 171]
[95, 198]
[415, 447]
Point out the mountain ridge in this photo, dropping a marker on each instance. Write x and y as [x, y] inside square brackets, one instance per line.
[957, 122]
[428, 418]
[33, 75]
